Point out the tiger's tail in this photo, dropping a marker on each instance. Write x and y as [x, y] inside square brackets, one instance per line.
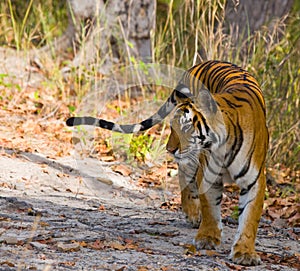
[180, 92]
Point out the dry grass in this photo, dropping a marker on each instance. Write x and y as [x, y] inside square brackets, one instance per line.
[191, 31]
[194, 31]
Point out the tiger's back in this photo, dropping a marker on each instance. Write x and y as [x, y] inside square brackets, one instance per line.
[239, 97]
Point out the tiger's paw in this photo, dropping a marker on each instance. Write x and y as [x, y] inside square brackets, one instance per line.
[194, 221]
[207, 242]
[247, 259]
[193, 218]
[208, 236]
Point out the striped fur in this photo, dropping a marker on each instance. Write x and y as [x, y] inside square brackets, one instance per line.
[221, 136]
[180, 93]
[218, 134]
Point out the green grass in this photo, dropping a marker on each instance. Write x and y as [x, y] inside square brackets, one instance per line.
[27, 24]
[187, 32]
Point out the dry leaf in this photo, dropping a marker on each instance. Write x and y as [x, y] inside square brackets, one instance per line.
[98, 245]
[117, 245]
[122, 169]
[101, 207]
[10, 264]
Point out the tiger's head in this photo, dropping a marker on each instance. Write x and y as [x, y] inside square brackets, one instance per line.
[197, 127]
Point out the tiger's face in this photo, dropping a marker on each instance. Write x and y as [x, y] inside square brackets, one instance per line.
[190, 133]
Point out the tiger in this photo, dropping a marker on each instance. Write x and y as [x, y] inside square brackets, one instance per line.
[218, 134]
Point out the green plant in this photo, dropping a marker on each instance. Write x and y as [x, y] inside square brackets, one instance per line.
[235, 212]
[141, 147]
[8, 88]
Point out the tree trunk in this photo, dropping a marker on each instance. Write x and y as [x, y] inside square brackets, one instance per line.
[244, 17]
[107, 32]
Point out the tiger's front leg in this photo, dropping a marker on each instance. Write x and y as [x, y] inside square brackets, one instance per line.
[209, 232]
[250, 210]
[187, 171]
[190, 200]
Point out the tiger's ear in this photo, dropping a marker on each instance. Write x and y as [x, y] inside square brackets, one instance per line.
[206, 103]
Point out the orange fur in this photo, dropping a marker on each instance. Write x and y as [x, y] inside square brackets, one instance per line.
[241, 108]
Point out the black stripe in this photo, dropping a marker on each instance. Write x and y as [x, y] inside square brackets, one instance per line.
[237, 144]
[172, 98]
[200, 129]
[221, 86]
[258, 98]
[206, 78]
[107, 124]
[248, 78]
[234, 80]
[241, 209]
[179, 94]
[202, 73]
[218, 67]
[244, 100]
[246, 166]
[212, 77]
[244, 191]
[219, 199]
[216, 79]
[212, 170]
[195, 77]
[231, 104]
[244, 170]
[70, 121]
[146, 124]
[205, 124]
[163, 111]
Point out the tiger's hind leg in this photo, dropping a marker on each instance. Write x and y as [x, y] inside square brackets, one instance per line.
[250, 210]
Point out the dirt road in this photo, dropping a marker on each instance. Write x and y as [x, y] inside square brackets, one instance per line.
[53, 219]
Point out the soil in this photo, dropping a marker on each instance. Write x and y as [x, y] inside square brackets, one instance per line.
[58, 215]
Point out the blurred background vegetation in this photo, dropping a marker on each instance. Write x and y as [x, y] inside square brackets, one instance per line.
[184, 30]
